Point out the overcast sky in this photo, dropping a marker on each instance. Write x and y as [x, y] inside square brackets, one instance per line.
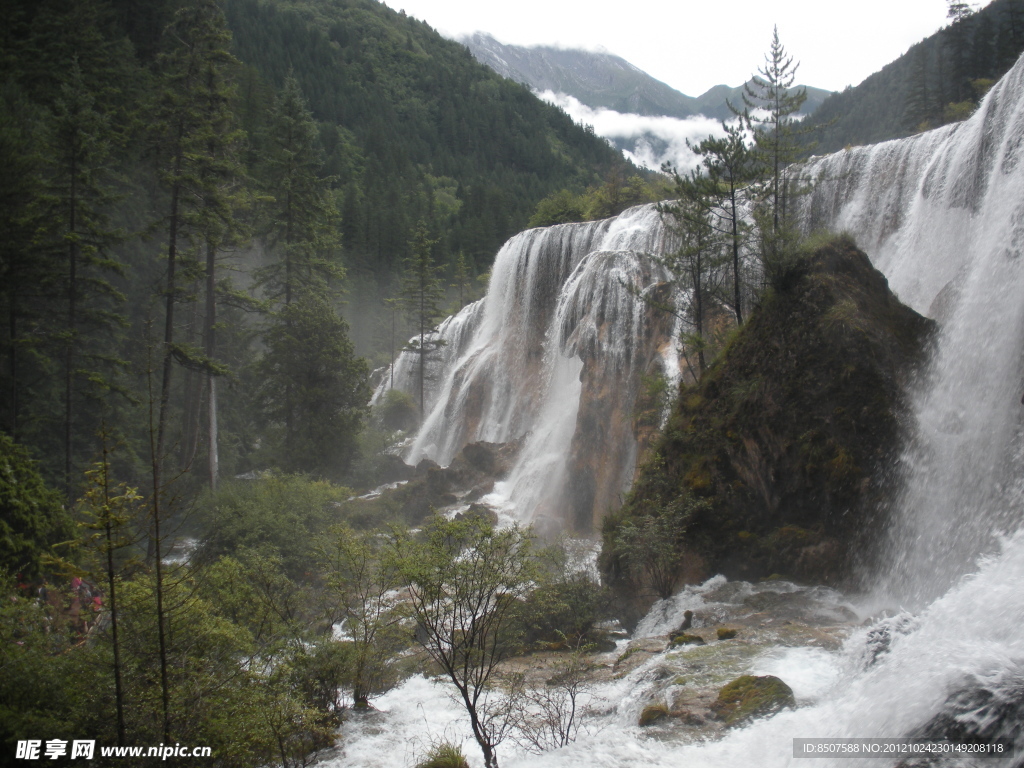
[695, 44]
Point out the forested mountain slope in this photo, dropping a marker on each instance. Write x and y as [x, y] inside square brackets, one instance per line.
[186, 182]
[413, 127]
[606, 80]
[938, 80]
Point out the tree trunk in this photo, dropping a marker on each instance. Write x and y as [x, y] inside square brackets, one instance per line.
[112, 594]
[69, 351]
[210, 344]
[735, 257]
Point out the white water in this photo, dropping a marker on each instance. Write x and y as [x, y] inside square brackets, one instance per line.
[557, 328]
[938, 213]
[942, 215]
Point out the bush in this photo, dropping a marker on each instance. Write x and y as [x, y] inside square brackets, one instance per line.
[32, 518]
[279, 515]
[396, 410]
[567, 602]
[444, 755]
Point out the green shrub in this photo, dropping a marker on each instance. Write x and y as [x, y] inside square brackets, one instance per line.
[279, 515]
[444, 755]
[396, 410]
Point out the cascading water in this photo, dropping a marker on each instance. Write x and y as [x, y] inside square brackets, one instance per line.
[554, 354]
[942, 215]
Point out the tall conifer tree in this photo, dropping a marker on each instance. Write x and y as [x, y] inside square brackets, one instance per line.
[302, 218]
[76, 201]
[422, 295]
[192, 67]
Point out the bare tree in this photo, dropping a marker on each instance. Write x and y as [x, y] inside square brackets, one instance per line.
[465, 581]
[555, 714]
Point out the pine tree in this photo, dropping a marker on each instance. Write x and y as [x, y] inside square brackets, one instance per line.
[77, 196]
[461, 279]
[302, 217]
[770, 103]
[728, 168]
[696, 264]
[422, 295]
[770, 91]
[957, 41]
[1010, 39]
[313, 393]
[198, 42]
[23, 274]
[919, 108]
[223, 186]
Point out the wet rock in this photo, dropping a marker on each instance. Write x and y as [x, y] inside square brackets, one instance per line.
[391, 469]
[748, 697]
[686, 639]
[880, 637]
[425, 466]
[479, 512]
[686, 717]
[726, 634]
[687, 623]
[479, 491]
[986, 710]
[653, 713]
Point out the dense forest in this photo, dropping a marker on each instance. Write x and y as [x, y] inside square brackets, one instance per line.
[176, 185]
[196, 194]
[217, 216]
[937, 81]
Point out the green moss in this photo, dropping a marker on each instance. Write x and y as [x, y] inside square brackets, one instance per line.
[652, 713]
[625, 655]
[747, 697]
[726, 634]
[686, 639]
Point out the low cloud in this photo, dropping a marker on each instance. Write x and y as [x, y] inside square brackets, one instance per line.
[646, 140]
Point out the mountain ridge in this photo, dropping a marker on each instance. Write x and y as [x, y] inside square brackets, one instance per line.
[601, 79]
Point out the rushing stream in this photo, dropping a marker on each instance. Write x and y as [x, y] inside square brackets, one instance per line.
[942, 215]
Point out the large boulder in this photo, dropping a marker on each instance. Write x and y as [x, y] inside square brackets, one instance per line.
[788, 438]
[748, 697]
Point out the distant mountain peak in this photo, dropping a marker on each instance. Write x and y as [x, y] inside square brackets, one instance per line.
[601, 79]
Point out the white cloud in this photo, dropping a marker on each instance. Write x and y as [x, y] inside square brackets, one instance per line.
[649, 141]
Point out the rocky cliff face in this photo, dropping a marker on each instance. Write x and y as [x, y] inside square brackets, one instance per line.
[790, 435]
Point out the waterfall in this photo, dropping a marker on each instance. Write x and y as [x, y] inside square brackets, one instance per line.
[941, 214]
[553, 355]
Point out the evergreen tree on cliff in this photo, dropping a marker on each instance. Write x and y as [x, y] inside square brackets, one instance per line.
[770, 104]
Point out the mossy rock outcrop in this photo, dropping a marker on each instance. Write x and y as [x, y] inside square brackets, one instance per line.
[748, 697]
[687, 639]
[787, 438]
[429, 486]
[652, 713]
